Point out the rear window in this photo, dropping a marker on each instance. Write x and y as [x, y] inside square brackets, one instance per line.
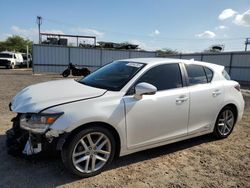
[226, 75]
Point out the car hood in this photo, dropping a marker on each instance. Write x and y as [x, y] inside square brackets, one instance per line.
[43, 95]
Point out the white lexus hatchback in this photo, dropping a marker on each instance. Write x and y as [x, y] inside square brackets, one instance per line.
[124, 107]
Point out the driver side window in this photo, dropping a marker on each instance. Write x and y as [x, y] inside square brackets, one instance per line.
[163, 77]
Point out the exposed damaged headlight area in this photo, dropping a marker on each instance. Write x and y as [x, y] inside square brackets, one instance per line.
[31, 135]
[38, 123]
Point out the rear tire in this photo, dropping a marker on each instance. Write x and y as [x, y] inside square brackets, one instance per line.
[225, 123]
[89, 151]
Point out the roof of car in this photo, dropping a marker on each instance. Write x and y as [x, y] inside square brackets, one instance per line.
[172, 60]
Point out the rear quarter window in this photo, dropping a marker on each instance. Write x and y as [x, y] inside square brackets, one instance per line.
[209, 74]
[226, 75]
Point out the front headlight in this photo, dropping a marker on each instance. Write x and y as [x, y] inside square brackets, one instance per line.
[37, 123]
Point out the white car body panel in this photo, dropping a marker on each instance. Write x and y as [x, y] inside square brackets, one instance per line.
[144, 123]
[204, 106]
[43, 95]
[142, 115]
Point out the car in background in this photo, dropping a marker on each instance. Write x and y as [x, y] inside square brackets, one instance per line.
[124, 107]
[27, 60]
[11, 59]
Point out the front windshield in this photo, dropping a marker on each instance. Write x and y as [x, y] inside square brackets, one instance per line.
[113, 76]
[3, 55]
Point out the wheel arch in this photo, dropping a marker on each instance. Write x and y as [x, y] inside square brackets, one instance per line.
[234, 107]
[114, 132]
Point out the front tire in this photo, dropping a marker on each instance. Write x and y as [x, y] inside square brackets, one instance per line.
[12, 66]
[66, 73]
[225, 122]
[89, 151]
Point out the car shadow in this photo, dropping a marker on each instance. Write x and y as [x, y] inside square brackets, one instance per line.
[48, 172]
[160, 151]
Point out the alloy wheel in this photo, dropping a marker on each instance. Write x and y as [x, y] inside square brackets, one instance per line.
[91, 152]
[226, 122]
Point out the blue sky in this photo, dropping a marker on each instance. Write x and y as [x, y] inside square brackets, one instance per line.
[184, 25]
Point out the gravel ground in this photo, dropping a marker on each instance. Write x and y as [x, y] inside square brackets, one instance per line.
[198, 162]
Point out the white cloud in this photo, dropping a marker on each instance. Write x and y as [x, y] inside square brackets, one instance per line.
[154, 33]
[206, 34]
[87, 31]
[227, 13]
[31, 33]
[221, 27]
[24, 32]
[243, 19]
[54, 31]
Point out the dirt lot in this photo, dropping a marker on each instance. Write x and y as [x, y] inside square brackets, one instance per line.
[199, 162]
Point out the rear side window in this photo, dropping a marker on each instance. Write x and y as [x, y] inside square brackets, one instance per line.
[209, 74]
[226, 75]
[196, 74]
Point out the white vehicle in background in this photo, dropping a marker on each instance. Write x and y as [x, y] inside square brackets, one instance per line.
[124, 107]
[27, 60]
[10, 59]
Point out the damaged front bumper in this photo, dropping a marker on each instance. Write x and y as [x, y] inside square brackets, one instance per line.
[24, 142]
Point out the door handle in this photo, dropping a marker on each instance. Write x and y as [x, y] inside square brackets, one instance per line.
[181, 99]
[216, 93]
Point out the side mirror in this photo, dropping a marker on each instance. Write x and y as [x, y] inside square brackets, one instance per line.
[144, 89]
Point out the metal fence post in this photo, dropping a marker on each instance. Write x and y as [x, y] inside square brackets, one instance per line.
[69, 54]
[230, 63]
[202, 56]
[100, 57]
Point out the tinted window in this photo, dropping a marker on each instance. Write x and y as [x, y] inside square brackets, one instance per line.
[209, 74]
[226, 75]
[163, 77]
[196, 74]
[3, 55]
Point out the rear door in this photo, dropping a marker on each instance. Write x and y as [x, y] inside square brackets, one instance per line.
[205, 98]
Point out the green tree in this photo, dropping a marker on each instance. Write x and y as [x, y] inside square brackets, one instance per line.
[16, 43]
[166, 51]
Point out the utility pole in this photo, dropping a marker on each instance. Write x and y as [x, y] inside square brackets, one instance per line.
[39, 23]
[247, 42]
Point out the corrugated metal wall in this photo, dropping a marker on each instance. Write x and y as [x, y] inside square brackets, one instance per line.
[56, 58]
[237, 64]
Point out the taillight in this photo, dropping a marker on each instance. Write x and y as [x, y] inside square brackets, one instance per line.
[237, 87]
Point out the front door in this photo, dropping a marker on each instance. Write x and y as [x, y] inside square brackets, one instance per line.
[162, 116]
